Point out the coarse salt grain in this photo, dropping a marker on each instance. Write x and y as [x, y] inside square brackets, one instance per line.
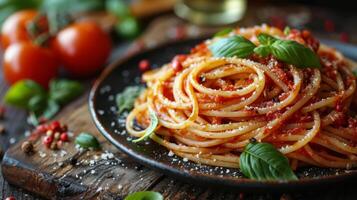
[171, 153]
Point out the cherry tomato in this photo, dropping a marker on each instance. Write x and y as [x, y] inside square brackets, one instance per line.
[25, 60]
[14, 28]
[83, 48]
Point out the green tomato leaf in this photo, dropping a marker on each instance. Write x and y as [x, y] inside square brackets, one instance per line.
[86, 140]
[223, 32]
[266, 39]
[263, 50]
[262, 161]
[232, 46]
[144, 195]
[125, 100]
[154, 121]
[295, 53]
[64, 91]
[21, 92]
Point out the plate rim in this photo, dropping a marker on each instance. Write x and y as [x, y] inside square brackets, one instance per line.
[211, 180]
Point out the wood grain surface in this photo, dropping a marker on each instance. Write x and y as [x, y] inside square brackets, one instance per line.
[107, 173]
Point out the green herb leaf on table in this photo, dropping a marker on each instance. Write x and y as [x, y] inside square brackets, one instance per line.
[64, 91]
[37, 103]
[72, 6]
[295, 53]
[21, 92]
[128, 27]
[232, 46]
[223, 32]
[262, 161]
[86, 140]
[154, 121]
[144, 195]
[51, 109]
[125, 100]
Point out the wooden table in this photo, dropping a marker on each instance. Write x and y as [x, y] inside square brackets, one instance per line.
[137, 177]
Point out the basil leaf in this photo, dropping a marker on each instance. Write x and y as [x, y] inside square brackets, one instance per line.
[263, 162]
[266, 39]
[154, 121]
[295, 53]
[86, 140]
[232, 46]
[125, 100]
[263, 50]
[21, 92]
[128, 27]
[37, 103]
[64, 91]
[223, 32]
[144, 195]
[51, 109]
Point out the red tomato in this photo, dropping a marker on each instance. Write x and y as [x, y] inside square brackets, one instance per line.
[25, 60]
[14, 28]
[83, 48]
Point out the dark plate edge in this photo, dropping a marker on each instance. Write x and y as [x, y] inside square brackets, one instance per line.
[244, 184]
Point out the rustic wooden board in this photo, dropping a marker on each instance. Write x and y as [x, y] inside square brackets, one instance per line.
[73, 174]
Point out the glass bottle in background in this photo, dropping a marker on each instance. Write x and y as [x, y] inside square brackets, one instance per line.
[211, 12]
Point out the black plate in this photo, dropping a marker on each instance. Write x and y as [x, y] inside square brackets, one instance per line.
[103, 110]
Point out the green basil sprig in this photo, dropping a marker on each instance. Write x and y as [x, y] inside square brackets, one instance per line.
[232, 46]
[125, 100]
[144, 195]
[31, 96]
[287, 51]
[154, 121]
[262, 161]
[20, 93]
[64, 91]
[86, 140]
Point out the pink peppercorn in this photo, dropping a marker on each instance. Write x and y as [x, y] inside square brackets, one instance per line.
[144, 65]
[64, 137]
[10, 198]
[55, 126]
[47, 140]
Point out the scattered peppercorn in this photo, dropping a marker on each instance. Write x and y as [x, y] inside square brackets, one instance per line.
[73, 160]
[144, 65]
[27, 147]
[2, 129]
[47, 140]
[64, 137]
[56, 134]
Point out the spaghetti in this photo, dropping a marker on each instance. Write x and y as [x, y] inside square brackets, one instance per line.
[208, 108]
